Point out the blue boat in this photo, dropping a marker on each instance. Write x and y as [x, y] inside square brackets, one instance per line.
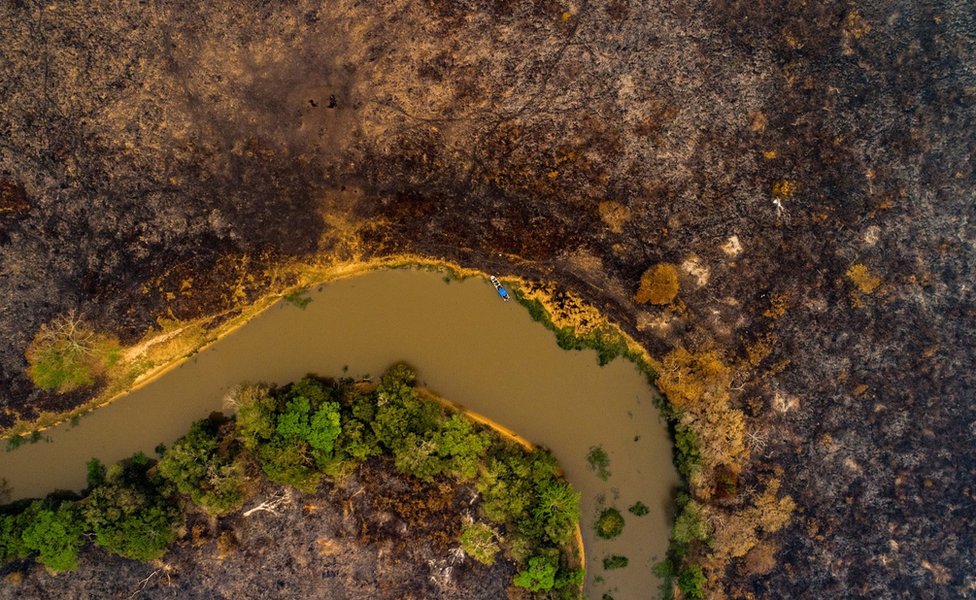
[498, 288]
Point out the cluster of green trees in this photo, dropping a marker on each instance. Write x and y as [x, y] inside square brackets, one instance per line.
[208, 467]
[688, 534]
[127, 509]
[296, 435]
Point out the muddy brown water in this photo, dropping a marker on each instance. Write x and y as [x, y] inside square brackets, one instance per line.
[466, 344]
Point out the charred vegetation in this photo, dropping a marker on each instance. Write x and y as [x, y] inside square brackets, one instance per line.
[763, 149]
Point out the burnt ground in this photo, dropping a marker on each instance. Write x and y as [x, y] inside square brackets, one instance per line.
[380, 535]
[161, 159]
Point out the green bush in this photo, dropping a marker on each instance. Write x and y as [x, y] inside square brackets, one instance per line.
[607, 343]
[610, 524]
[299, 298]
[691, 582]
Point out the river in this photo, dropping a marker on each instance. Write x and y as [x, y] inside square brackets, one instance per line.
[467, 346]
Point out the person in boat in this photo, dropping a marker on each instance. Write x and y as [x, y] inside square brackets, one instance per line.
[498, 287]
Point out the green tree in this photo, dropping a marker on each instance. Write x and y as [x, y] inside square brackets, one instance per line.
[207, 469]
[398, 375]
[55, 533]
[688, 526]
[417, 455]
[67, 354]
[687, 454]
[692, 581]
[480, 542]
[310, 417]
[325, 427]
[461, 446]
[557, 510]
[506, 486]
[292, 431]
[290, 464]
[12, 546]
[304, 436]
[452, 447]
[540, 576]
[95, 473]
[401, 413]
[356, 440]
[132, 513]
[256, 409]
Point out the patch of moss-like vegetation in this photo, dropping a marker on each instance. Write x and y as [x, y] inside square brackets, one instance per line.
[19, 440]
[599, 462]
[639, 509]
[298, 435]
[615, 561]
[299, 298]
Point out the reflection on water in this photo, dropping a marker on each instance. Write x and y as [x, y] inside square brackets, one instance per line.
[466, 344]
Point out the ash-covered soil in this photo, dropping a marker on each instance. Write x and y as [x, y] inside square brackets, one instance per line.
[159, 159]
[380, 535]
